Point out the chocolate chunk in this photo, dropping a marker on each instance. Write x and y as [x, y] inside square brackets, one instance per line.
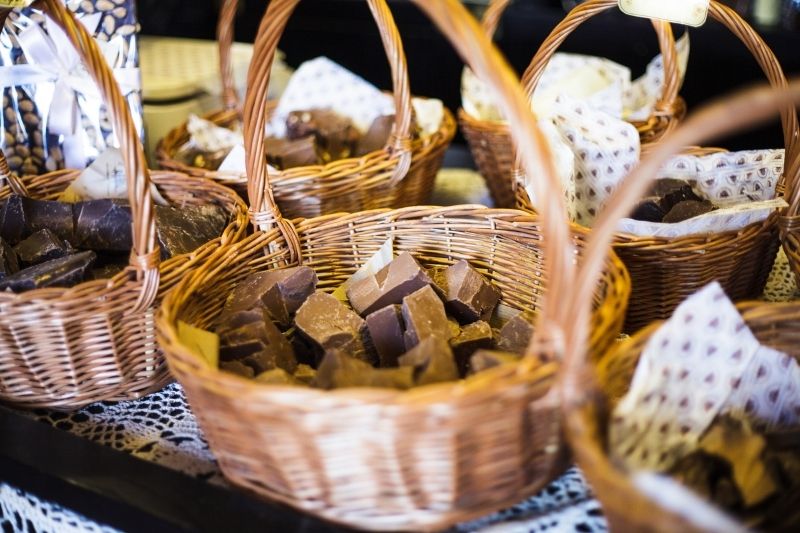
[648, 210]
[305, 374]
[688, 209]
[424, 316]
[330, 325]
[377, 135]
[516, 334]
[242, 342]
[259, 344]
[668, 201]
[239, 319]
[486, 359]
[238, 368]
[184, 230]
[335, 135]
[338, 370]
[473, 337]
[9, 263]
[386, 331]
[280, 291]
[42, 246]
[103, 225]
[388, 286]
[666, 186]
[13, 220]
[468, 295]
[287, 153]
[62, 272]
[21, 217]
[195, 157]
[392, 378]
[432, 360]
[276, 376]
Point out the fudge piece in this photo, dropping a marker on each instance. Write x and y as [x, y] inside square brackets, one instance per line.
[238, 368]
[386, 330]
[9, 263]
[486, 359]
[62, 272]
[281, 292]
[468, 295]
[276, 376]
[43, 245]
[184, 230]
[432, 360]
[288, 153]
[516, 334]
[103, 225]
[376, 136]
[473, 337]
[403, 276]
[687, 209]
[330, 325]
[336, 136]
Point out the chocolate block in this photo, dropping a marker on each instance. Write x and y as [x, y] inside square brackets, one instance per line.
[305, 374]
[259, 344]
[20, 217]
[473, 337]
[432, 360]
[9, 263]
[239, 319]
[335, 135]
[242, 342]
[376, 136]
[423, 313]
[330, 325]
[287, 153]
[516, 334]
[688, 209]
[103, 225]
[388, 286]
[281, 292]
[13, 220]
[648, 210]
[468, 295]
[62, 272]
[486, 359]
[668, 201]
[276, 376]
[42, 246]
[184, 230]
[238, 368]
[386, 331]
[666, 186]
[337, 370]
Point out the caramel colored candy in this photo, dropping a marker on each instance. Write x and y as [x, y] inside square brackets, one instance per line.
[432, 360]
[386, 330]
[486, 359]
[516, 334]
[389, 286]
[469, 296]
[330, 325]
[473, 337]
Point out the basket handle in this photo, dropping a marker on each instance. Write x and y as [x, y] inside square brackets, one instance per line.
[264, 211]
[492, 15]
[13, 181]
[145, 256]
[225, 26]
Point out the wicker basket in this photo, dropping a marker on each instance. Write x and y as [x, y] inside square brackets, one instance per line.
[64, 348]
[490, 141]
[380, 179]
[664, 271]
[377, 458]
[587, 397]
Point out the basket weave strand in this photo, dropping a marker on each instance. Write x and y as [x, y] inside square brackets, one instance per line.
[384, 459]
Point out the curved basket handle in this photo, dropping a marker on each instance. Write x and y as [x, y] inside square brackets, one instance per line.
[492, 15]
[225, 26]
[13, 181]
[145, 256]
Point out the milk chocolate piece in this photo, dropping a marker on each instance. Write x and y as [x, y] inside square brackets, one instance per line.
[259, 344]
[237, 367]
[648, 210]
[276, 376]
[473, 337]
[335, 135]
[688, 209]
[330, 325]
[42, 246]
[9, 264]
[386, 331]
[516, 334]
[183, 230]
[486, 359]
[62, 272]
[288, 153]
[376, 136]
[242, 342]
[337, 370]
[305, 374]
[388, 286]
[424, 316]
[239, 319]
[432, 360]
[469, 296]
[281, 292]
[103, 225]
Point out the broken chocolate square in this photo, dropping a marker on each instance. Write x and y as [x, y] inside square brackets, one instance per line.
[386, 331]
[260, 344]
[281, 292]
[184, 230]
[336, 135]
[468, 295]
[687, 209]
[62, 272]
[486, 359]
[42, 246]
[424, 316]
[288, 153]
[473, 337]
[389, 286]
[432, 360]
[103, 225]
[20, 217]
[516, 334]
[330, 325]
[648, 210]
[9, 263]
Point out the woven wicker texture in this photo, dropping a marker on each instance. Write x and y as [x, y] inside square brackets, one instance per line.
[490, 141]
[378, 458]
[64, 348]
[380, 179]
[585, 401]
[664, 271]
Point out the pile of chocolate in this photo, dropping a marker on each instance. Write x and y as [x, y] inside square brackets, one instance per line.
[753, 475]
[670, 200]
[404, 326]
[57, 244]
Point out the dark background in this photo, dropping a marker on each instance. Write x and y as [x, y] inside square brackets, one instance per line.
[344, 31]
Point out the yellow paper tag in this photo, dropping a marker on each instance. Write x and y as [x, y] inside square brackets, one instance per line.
[203, 343]
[688, 12]
[15, 3]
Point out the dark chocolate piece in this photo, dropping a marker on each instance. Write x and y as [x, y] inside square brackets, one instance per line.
[486, 359]
[21, 217]
[276, 376]
[330, 325]
[666, 186]
[238, 368]
[195, 157]
[473, 337]
[648, 210]
[288, 153]
[280, 291]
[516, 334]
[468, 295]
[424, 316]
[305, 374]
[376, 136]
[239, 319]
[42, 246]
[687, 209]
[103, 225]
[432, 360]
[386, 331]
[335, 135]
[62, 272]
[388, 286]
[242, 342]
[668, 201]
[9, 263]
[259, 344]
[13, 220]
[183, 230]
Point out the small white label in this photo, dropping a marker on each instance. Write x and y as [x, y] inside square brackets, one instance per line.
[688, 12]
